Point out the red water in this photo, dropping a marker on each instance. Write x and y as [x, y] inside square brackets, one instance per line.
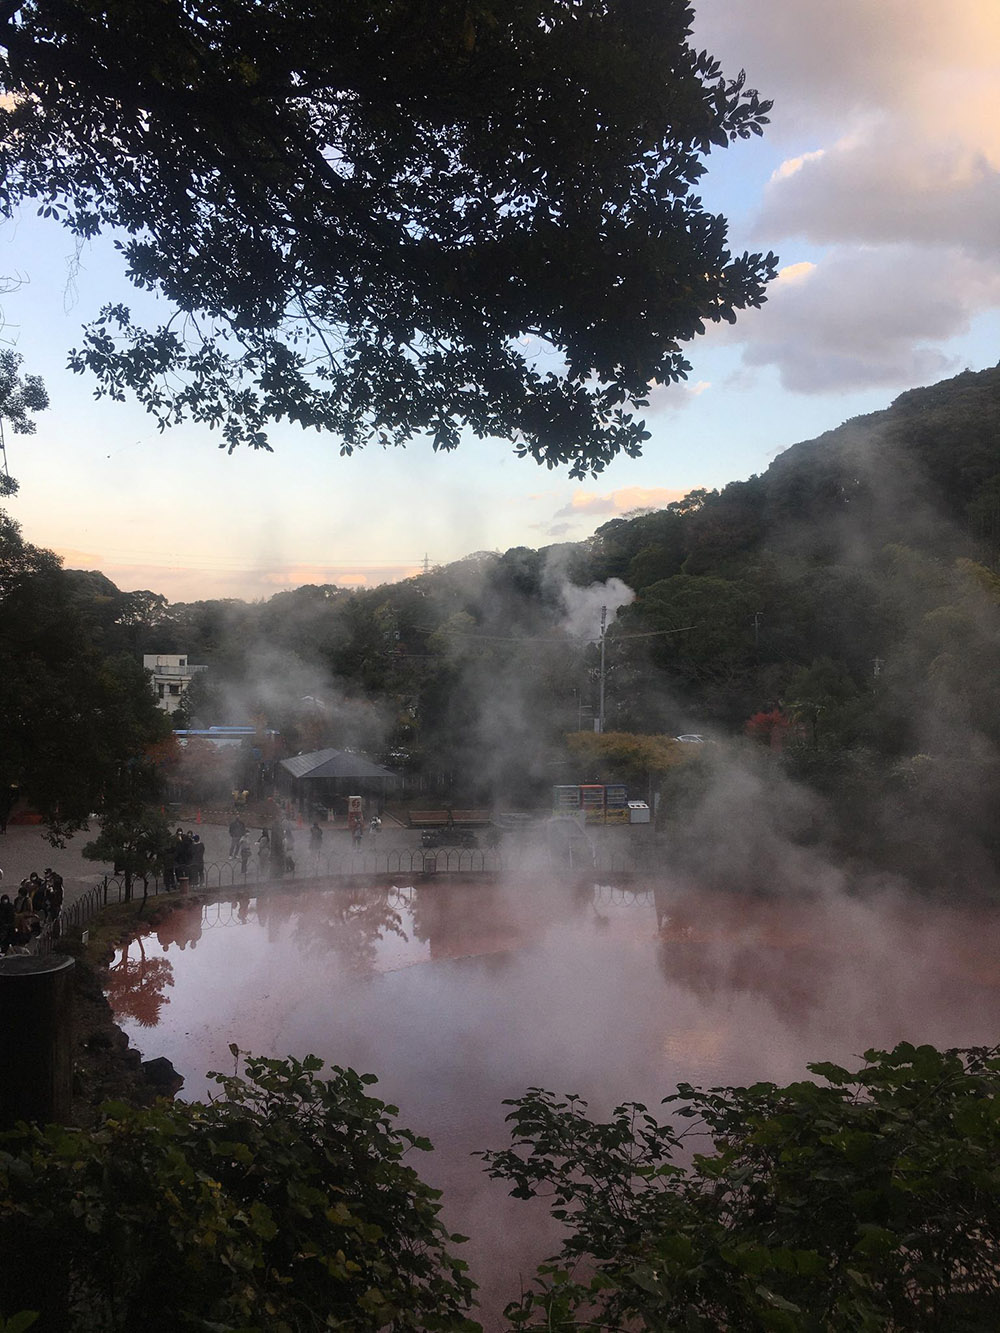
[458, 996]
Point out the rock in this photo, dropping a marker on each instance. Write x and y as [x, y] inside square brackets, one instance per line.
[163, 1076]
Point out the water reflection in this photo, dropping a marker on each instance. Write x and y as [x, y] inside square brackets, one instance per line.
[347, 927]
[458, 996]
[136, 983]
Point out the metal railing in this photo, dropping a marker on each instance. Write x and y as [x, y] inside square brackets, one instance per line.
[365, 865]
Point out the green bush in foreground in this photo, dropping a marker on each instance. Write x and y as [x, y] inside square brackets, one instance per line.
[866, 1201]
[861, 1201]
[283, 1205]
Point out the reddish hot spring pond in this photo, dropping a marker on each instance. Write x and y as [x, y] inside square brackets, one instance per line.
[458, 995]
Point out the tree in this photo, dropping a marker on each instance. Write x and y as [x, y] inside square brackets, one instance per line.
[863, 1201]
[285, 1204]
[19, 395]
[769, 728]
[134, 836]
[619, 756]
[362, 213]
[72, 717]
[135, 986]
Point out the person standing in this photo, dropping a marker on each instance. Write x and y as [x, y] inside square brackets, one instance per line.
[7, 920]
[197, 861]
[237, 829]
[182, 858]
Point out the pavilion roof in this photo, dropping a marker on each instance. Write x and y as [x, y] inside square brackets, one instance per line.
[335, 764]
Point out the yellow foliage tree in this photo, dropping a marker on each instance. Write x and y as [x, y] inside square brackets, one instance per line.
[626, 756]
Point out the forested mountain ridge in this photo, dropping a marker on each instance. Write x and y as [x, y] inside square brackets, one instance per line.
[890, 476]
[843, 605]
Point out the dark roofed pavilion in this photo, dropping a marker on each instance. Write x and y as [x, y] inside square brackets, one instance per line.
[327, 777]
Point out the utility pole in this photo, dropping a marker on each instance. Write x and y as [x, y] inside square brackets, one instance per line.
[600, 715]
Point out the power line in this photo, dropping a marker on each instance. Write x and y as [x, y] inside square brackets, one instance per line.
[542, 638]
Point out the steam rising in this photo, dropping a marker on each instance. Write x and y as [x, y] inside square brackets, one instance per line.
[583, 606]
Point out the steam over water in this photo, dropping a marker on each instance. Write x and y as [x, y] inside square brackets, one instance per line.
[459, 995]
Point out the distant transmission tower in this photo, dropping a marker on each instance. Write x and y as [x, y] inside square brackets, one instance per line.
[427, 559]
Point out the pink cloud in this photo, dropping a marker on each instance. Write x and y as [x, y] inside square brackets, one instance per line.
[585, 504]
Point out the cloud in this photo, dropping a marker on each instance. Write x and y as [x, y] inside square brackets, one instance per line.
[792, 165]
[890, 183]
[824, 63]
[586, 504]
[795, 272]
[869, 317]
[903, 102]
[671, 397]
[886, 188]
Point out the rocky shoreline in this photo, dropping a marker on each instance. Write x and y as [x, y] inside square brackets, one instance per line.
[105, 1066]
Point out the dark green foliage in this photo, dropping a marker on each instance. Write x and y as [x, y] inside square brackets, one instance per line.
[134, 836]
[839, 586]
[19, 395]
[285, 1205]
[369, 209]
[862, 1201]
[73, 717]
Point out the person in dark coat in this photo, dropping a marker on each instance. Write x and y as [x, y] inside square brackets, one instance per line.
[37, 894]
[197, 861]
[182, 855]
[237, 828]
[6, 922]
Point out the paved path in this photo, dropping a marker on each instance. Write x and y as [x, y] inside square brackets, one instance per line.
[23, 848]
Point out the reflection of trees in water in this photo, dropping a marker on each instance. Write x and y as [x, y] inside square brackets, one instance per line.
[459, 920]
[135, 984]
[349, 923]
[745, 945]
[796, 952]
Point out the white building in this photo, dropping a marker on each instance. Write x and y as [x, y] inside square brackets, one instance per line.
[172, 674]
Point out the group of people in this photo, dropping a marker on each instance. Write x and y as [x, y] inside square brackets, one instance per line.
[243, 846]
[275, 849]
[38, 901]
[184, 859]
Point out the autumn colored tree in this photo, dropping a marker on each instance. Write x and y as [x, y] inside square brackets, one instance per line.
[770, 729]
[621, 756]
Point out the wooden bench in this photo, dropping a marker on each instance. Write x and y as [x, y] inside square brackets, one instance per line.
[449, 818]
[429, 818]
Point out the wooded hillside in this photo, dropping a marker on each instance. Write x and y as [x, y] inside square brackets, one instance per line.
[842, 610]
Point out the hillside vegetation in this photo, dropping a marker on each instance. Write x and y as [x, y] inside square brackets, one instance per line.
[838, 614]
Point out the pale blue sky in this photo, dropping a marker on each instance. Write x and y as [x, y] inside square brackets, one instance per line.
[878, 186]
